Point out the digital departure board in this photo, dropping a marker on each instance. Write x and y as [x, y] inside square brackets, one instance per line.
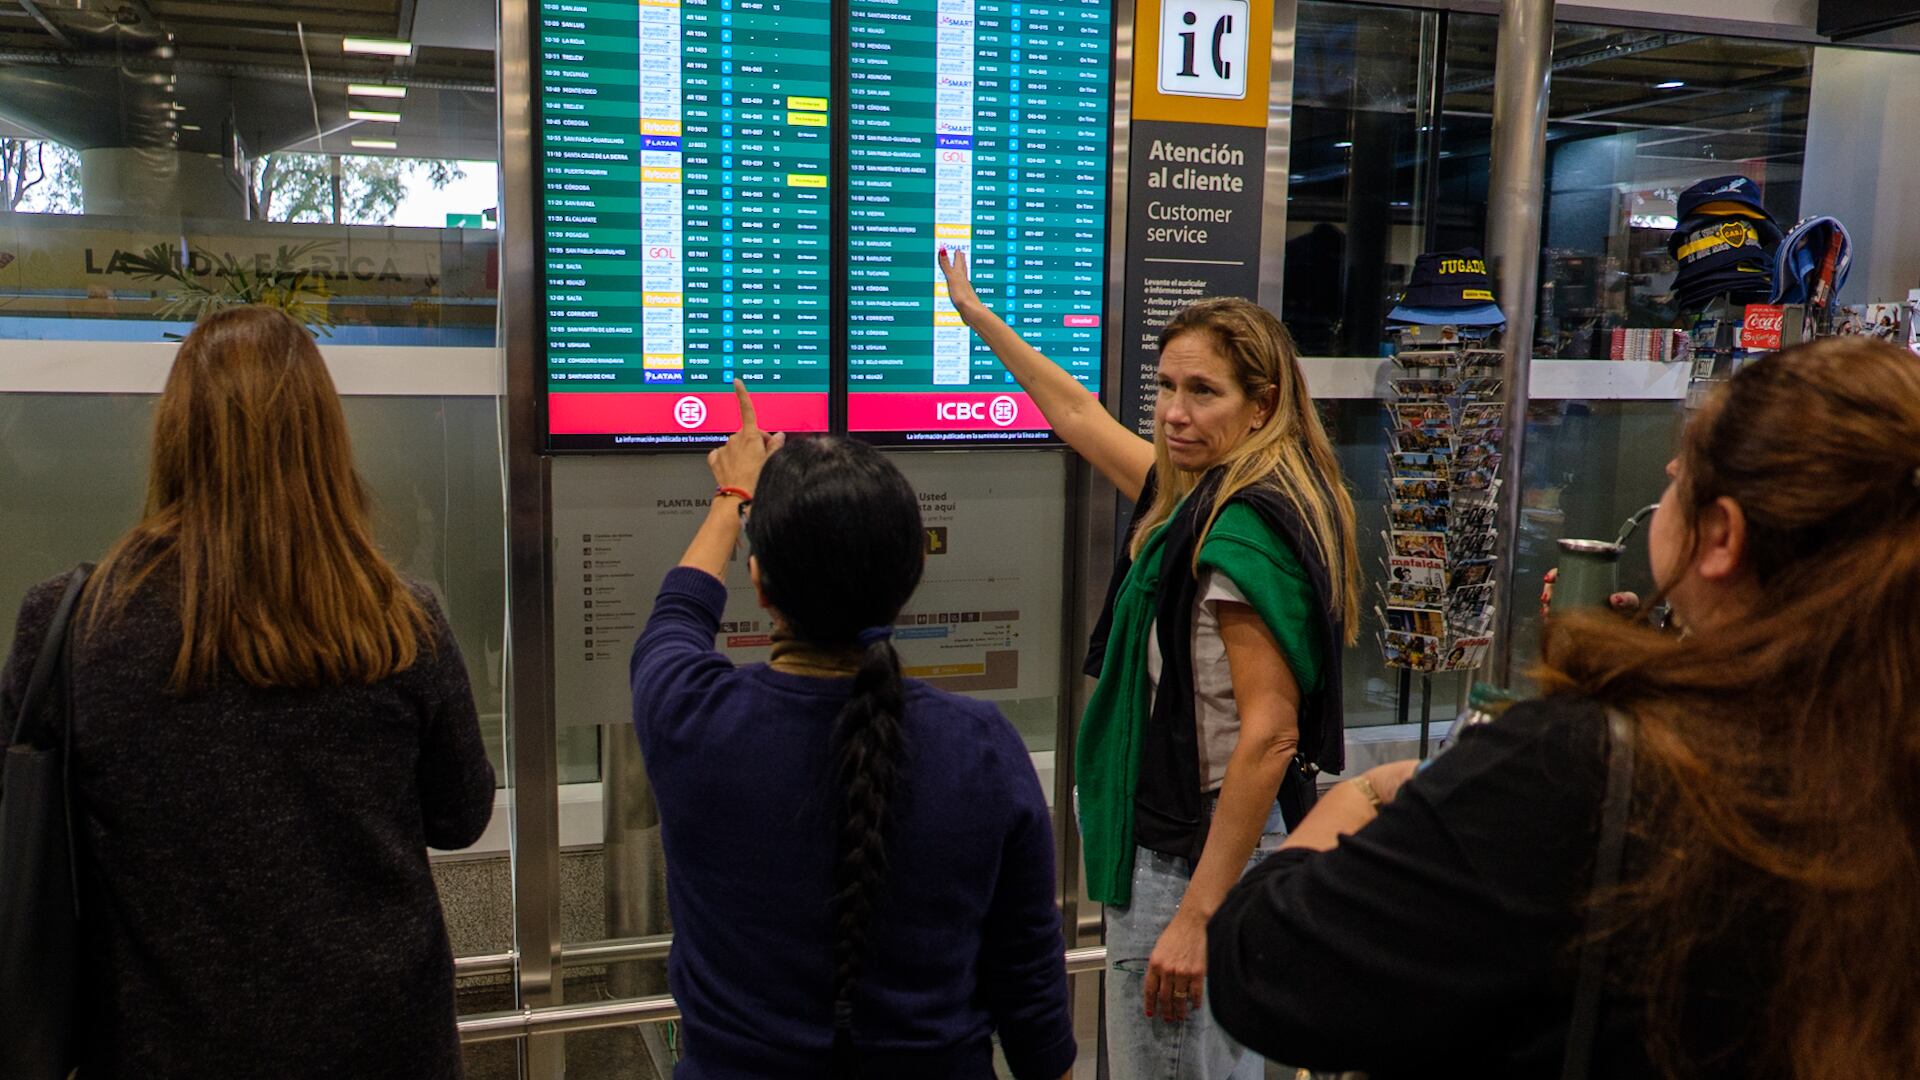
[982, 125]
[757, 189]
[688, 239]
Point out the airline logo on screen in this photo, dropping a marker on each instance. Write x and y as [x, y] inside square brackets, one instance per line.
[1203, 48]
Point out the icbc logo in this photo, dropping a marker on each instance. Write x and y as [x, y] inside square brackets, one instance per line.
[689, 412]
[1002, 410]
[961, 410]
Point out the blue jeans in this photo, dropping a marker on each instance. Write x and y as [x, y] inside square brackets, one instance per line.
[1139, 1048]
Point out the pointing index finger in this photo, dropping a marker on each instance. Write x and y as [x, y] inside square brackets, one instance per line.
[748, 420]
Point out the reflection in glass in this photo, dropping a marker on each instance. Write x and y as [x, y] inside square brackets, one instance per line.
[242, 144]
[1359, 159]
[1635, 117]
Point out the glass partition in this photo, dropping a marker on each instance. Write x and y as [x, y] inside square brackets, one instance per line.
[1635, 118]
[153, 163]
[1391, 150]
[1356, 198]
[161, 160]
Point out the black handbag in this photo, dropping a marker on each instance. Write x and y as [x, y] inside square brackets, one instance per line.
[1299, 791]
[39, 891]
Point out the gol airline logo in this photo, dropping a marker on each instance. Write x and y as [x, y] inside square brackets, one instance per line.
[689, 412]
[1002, 410]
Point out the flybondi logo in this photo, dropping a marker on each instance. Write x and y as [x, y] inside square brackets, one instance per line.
[1002, 411]
[689, 412]
[1203, 48]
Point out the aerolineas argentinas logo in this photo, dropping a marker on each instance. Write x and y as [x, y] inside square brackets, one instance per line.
[1203, 48]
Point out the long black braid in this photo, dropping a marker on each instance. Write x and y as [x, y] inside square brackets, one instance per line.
[866, 740]
[836, 534]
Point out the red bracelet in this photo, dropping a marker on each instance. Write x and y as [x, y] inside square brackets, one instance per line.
[745, 497]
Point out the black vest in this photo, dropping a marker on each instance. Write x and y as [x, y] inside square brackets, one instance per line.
[1170, 815]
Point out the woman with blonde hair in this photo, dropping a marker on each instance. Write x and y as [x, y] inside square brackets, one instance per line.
[1218, 655]
[1754, 774]
[270, 729]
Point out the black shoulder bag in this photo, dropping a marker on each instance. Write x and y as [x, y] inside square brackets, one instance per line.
[39, 893]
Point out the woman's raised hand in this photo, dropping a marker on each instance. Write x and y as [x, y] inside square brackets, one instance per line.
[736, 463]
[953, 264]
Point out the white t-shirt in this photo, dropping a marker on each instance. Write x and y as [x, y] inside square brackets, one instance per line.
[1216, 716]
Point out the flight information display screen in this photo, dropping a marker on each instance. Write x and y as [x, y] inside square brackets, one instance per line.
[981, 125]
[686, 158]
[757, 189]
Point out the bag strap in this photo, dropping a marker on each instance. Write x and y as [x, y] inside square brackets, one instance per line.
[35, 725]
[1608, 857]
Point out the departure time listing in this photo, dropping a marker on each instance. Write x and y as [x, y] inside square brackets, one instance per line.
[686, 164]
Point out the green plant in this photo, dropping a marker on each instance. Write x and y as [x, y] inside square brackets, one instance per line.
[287, 283]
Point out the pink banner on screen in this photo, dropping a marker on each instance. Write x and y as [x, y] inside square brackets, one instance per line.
[673, 414]
[960, 411]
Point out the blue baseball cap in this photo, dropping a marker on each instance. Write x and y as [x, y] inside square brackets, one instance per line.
[1722, 189]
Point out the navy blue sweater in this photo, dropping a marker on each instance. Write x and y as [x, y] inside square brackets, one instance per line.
[966, 939]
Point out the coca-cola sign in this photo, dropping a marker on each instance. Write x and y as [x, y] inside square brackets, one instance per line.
[1761, 330]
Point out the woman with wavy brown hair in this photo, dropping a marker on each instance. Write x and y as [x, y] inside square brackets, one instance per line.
[270, 728]
[1766, 921]
[1217, 655]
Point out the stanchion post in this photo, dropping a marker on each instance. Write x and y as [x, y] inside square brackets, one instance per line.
[1517, 189]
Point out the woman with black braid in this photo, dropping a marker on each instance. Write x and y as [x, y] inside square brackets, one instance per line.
[859, 866]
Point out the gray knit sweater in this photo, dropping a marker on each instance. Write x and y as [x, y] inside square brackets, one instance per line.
[256, 900]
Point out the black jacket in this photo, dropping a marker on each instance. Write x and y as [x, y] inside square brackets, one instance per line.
[1169, 810]
[1441, 940]
[255, 894]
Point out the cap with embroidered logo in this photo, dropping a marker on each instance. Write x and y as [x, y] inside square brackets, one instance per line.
[1724, 244]
[1449, 288]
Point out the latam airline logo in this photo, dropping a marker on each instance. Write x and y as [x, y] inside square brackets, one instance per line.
[1002, 411]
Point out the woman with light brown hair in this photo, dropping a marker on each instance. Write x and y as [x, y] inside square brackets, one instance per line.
[270, 729]
[1218, 654]
[1765, 920]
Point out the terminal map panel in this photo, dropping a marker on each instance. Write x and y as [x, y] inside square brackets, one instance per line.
[981, 125]
[686, 152]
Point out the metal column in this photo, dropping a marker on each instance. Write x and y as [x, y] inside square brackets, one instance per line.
[635, 878]
[1273, 214]
[1517, 193]
[533, 768]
